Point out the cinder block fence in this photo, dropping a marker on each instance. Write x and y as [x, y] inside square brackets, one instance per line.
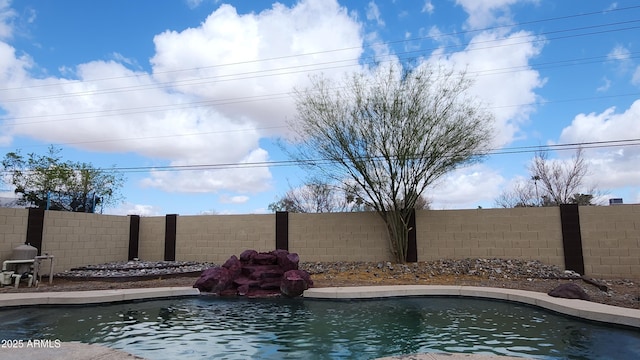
[600, 241]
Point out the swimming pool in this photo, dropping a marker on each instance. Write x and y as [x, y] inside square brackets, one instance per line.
[222, 328]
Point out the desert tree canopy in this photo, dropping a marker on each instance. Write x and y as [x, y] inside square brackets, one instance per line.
[48, 182]
[389, 134]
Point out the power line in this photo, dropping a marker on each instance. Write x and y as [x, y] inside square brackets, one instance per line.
[285, 95]
[315, 162]
[372, 45]
[351, 63]
[544, 102]
[278, 71]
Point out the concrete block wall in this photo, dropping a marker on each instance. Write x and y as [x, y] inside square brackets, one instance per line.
[610, 236]
[611, 240]
[339, 237]
[214, 238]
[523, 233]
[13, 230]
[151, 241]
[77, 239]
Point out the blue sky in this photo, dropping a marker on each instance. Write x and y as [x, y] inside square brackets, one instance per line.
[148, 85]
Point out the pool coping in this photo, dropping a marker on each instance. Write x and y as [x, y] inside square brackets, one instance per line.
[573, 307]
[92, 296]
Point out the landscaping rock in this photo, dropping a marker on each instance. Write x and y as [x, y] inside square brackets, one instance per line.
[234, 266]
[256, 274]
[247, 256]
[295, 282]
[215, 280]
[569, 291]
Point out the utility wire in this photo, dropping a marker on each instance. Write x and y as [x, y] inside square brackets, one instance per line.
[524, 39]
[277, 96]
[316, 162]
[286, 95]
[266, 97]
[372, 45]
[218, 132]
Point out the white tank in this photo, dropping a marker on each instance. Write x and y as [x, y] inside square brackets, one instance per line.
[24, 252]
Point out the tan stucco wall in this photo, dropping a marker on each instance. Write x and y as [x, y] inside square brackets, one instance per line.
[610, 236]
[13, 230]
[214, 238]
[338, 237]
[523, 233]
[77, 239]
[611, 240]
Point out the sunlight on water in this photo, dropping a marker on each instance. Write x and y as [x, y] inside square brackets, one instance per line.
[207, 327]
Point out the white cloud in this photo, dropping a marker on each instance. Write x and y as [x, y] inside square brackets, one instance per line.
[238, 199]
[612, 167]
[135, 209]
[635, 79]
[483, 13]
[124, 60]
[604, 87]
[243, 179]
[619, 53]
[373, 13]
[6, 17]
[428, 7]
[613, 6]
[510, 94]
[443, 39]
[622, 59]
[192, 4]
[214, 92]
[258, 55]
[466, 188]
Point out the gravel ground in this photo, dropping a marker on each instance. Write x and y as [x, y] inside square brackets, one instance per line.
[500, 273]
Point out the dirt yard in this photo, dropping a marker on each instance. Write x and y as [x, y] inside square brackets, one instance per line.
[620, 292]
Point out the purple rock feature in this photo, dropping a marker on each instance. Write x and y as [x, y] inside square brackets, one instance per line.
[286, 260]
[265, 259]
[247, 256]
[295, 282]
[234, 266]
[256, 274]
[215, 279]
[569, 291]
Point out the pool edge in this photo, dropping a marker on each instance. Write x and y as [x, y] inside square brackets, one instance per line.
[92, 296]
[573, 307]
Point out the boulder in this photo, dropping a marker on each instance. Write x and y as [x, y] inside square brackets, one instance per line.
[256, 274]
[215, 280]
[295, 282]
[234, 266]
[286, 260]
[262, 271]
[265, 259]
[247, 256]
[569, 291]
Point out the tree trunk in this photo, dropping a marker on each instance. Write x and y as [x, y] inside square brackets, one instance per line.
[398, 229]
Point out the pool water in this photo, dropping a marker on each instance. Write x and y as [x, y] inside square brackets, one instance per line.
[215, 328]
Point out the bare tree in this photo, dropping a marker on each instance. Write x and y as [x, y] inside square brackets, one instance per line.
[317, 196]
[521, 194]
[321, 197]
[391, 135]
[551, 183]
[560, 181]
